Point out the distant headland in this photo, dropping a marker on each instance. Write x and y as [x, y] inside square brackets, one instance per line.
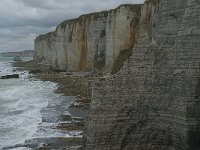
[25, 53]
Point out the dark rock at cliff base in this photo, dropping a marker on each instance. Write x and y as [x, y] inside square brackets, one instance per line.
[17, 58]
[10, 76]
[35, 71]
[49, 143]
[58, 70]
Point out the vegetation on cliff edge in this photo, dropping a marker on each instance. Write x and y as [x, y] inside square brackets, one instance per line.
[96, 15]
[121, 58]
[152, 1]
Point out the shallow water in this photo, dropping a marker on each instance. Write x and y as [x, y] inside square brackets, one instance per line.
[22, 105]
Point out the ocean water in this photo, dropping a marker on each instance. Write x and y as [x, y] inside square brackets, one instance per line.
[21, 102]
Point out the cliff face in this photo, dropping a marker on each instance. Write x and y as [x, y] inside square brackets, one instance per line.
[153, 102]
[91, 42]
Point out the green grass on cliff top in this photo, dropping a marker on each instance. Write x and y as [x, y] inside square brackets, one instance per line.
[45, 36]
[152, 1]
[135, 7]
[121, 58]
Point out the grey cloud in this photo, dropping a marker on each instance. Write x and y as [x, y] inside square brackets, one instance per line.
[20, 38]
[48, 4]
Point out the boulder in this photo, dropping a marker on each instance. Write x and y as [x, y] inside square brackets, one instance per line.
[10, 76]
[35, 71]
[17, 58]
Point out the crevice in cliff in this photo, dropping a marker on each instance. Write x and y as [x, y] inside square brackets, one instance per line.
[103, 33]
[130, 43]
[99, 61]
[121, 58]
[84, 52]
[193, 111]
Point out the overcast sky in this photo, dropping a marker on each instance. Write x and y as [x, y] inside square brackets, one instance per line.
[22, 20]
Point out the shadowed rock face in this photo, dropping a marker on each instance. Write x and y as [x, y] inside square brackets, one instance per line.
[91, 42]
[10, 76]
[152, 103]
[17, 58]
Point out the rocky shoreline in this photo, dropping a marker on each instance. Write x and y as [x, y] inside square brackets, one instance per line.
[69, 83]
[75, 88]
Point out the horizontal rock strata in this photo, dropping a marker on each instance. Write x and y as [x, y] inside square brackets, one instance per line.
[152, 103]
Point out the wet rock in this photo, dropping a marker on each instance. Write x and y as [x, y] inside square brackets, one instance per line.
[71, 126]
[35, 71]
[66, 118]
[53, 143]
[69, 73]
[58, 70]
[17, 58]
[10, 76]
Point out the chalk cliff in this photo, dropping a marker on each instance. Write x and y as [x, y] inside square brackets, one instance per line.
[153, 102]
[91, 42]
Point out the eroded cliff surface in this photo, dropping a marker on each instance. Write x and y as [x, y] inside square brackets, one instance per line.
[153, 102]
[91, 42]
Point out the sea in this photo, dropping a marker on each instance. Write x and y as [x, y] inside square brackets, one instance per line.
[21, 103]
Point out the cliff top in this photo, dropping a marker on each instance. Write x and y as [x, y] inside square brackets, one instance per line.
[43, 36]
[96, 15]
[152, 2]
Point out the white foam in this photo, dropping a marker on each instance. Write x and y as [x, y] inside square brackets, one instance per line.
[20, 103]
[21, 148]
